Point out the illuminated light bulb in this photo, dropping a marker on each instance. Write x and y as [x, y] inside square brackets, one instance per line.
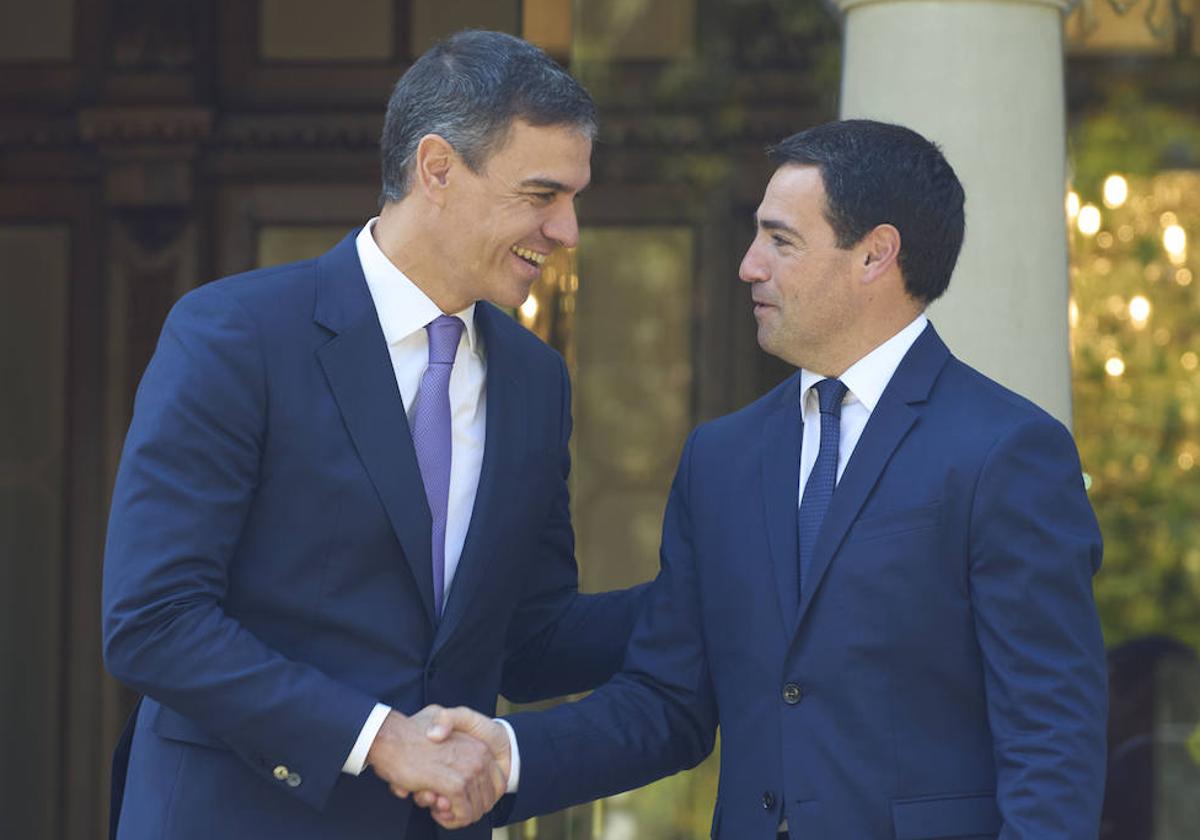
[1186, 461]
[1088, 220]
[1114, 366]
[1183, 277]
[529, 309]
[1072, 205]
[1167, 219]
[1116, 190]
[1073, 313]
[1189, 360]
[1139, 310]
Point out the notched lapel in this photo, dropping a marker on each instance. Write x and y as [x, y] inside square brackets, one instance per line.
[780, 446]
[887, 427]
[360, 375]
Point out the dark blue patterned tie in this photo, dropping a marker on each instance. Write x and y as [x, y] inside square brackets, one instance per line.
[821, 481]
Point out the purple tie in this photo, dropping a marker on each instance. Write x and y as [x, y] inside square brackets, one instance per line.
[431, 437]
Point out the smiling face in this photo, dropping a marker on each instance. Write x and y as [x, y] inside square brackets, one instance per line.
[500, 223]
[802, 284]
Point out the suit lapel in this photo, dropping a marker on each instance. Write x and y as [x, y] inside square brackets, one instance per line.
[359, 370]
[781, 438]
[504, 441]
[888, 425]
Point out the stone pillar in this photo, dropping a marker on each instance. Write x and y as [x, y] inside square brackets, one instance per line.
[983, 79]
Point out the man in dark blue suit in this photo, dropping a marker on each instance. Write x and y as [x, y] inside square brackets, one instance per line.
[343, 495]
[877, 578]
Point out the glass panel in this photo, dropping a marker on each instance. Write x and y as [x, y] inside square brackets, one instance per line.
[315, 30]
[288, 243]
[632, 394]
[633, 411]
[433, 20]
[42, 31]
[33, 367]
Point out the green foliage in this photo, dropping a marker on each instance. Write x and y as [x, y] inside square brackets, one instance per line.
[1139, 431]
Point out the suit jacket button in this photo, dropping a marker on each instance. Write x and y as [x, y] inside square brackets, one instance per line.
[768, 800]
[792, 694]
[280, 772]
[293, 780]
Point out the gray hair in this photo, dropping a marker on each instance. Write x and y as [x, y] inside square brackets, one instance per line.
[468, 90]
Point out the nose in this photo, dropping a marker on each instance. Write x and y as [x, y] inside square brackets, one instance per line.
[752, 269]
[562, 226]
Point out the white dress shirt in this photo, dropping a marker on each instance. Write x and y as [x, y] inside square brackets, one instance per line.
[865, 381]
[403, 311]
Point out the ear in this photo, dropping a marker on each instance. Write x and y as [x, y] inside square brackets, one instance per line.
[431, 170]
[879, 252]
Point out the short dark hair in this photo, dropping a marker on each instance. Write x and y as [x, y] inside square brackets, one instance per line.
[468, 89]
[878, 173]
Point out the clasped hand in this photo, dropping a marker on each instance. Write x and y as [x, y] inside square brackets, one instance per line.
[455, 761]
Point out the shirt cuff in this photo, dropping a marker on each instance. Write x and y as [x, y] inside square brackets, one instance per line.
[357, 759]
[514, 766]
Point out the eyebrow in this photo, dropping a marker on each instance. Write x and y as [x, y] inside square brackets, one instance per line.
[549, 184]
[775, 224]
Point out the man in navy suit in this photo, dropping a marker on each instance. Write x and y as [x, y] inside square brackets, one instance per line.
[343, 495]
[877, 578]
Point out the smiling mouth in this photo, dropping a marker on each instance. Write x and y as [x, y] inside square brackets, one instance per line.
[532, 257]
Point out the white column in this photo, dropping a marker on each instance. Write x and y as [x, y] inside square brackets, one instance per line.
[984, 79]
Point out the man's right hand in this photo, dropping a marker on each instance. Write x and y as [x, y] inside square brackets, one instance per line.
[447, 724]
[460, 769]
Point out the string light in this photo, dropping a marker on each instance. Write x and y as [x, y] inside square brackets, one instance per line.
[1072, 204]
[1175, 242]
[1089, 220]
[1116, 190]
[1139, 311]
[1114, 367]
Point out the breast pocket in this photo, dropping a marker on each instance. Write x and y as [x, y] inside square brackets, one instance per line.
[966, 817]
[894, 523]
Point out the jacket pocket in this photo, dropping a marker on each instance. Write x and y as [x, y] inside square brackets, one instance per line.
[896, 522]
[175, 727]
[928, 817]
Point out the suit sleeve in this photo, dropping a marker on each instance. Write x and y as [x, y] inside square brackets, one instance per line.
[184, 489]
[1034, 547]
[654, 718]
[562, 641]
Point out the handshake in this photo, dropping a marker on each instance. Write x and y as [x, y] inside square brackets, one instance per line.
[455, 762]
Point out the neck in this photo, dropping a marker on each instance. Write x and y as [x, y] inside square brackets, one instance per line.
[404, 239]
[872, 332]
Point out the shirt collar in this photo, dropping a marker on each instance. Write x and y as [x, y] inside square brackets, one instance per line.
[403, 308]
[867, 378]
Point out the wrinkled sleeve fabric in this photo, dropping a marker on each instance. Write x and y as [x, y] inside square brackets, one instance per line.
[186, 482]
[656, 717]
[1034, 548]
